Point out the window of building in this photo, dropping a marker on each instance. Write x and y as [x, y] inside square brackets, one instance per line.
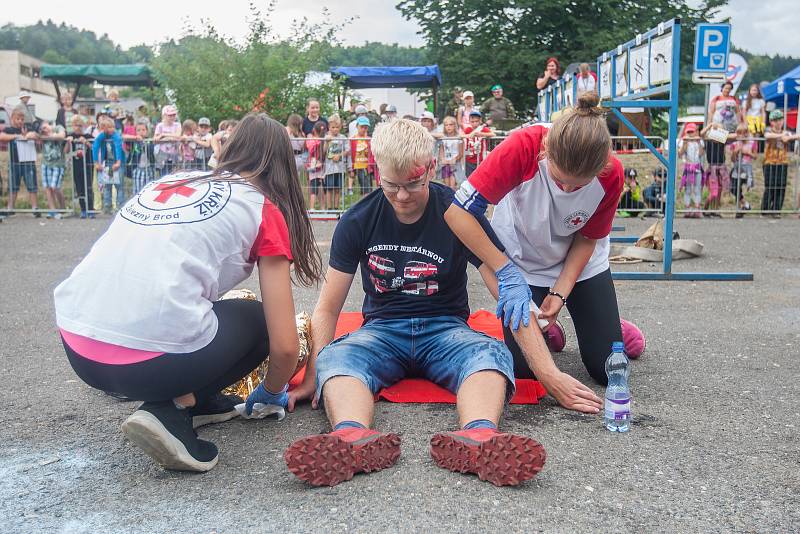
[25, 70]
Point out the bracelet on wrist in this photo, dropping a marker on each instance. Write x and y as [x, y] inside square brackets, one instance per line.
[557, 294]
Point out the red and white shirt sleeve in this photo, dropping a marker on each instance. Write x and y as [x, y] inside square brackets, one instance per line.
[514, 161]
[273, 234]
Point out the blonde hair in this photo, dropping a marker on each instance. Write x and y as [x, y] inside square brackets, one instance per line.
[106, 122]
[335, 119]
[450, 120]
[401, 145]
[578, 142]
[77, 119]
[18, 110]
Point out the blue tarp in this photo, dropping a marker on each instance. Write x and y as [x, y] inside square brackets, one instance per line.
[788, 84]
[368, 77]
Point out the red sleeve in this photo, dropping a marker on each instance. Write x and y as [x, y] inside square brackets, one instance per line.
[273, 234]
[512, 162]
[599, 224]
[593, 75]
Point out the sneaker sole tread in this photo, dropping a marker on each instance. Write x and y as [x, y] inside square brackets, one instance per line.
[149, 434]
[503, 460]
[327, 460]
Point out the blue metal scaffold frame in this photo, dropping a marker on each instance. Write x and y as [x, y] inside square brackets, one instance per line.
[555, 100]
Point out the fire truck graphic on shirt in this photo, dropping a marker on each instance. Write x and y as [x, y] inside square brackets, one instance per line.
[416, 278]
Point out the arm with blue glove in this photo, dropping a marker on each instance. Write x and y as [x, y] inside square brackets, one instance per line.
[263, 396]
[514, 302]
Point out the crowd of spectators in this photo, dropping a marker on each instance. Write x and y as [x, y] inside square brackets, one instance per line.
[113, 147]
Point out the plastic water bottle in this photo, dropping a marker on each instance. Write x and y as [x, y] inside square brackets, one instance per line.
[617, 415]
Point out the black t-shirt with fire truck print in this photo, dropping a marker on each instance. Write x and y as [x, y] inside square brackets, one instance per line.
[407, 270]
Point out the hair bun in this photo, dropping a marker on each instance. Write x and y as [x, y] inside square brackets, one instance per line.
[588, 104]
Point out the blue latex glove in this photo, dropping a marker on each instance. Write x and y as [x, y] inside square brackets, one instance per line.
[514, 302]
[260, 394]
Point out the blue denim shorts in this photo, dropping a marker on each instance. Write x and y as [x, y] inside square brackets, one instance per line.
[23, 172]
[442, 349]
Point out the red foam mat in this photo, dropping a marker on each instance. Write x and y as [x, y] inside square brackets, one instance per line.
[420, 390]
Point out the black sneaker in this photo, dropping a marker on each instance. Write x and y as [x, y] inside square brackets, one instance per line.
[165, 433]
[215, 409]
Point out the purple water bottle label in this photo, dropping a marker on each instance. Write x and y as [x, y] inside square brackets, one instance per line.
[618, 409]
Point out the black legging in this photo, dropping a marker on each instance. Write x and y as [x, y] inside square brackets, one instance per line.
[593, 308]
[774, 186]
[241, 344]
[83, 176]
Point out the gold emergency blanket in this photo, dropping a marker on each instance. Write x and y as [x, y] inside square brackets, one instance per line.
[246, 385]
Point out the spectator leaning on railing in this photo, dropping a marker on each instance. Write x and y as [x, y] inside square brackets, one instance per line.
[776, 163]
[53, 165]
[22, 158]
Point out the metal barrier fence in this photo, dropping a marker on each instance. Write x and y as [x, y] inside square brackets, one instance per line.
[61, 176]
[740, 184]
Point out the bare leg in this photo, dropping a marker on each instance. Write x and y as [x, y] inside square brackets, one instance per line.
[481, 396]
[12, 199]
[51, 199]
[61, 202]
[348, 399]
[34, 200]
[187, 401]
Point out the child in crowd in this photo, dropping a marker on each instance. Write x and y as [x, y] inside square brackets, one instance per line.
[776, 163]
[427, 120]
[337, 161]
[690, 147]
[743, 150]
[654, 194]
[218, 139]
[188, 145]
[108, 157]
[167, 136]
[315, 165]
[22, 157]
[451, 154]
[202, 139]
[115, 109]
[142, 158]
[361, 158]
[128, 134]
[717, 176]
[294, 127]
[462, 116]
[53, 164]
[631, 198]
[80, 148]
[475, 136]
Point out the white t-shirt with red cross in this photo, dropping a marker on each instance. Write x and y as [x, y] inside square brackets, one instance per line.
[148, 283]
[535, 218]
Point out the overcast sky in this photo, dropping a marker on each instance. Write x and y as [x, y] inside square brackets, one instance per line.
[766, 27]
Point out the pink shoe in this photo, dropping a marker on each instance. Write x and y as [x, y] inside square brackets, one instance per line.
[555, 337]
[633, 338]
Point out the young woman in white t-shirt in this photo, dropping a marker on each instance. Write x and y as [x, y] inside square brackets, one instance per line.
[141, 315]
[555, 203]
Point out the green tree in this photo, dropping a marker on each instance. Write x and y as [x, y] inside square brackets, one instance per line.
[478, 43]
[206, 74]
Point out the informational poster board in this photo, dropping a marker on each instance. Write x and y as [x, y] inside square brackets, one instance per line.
[661, 59]
[640, 68]
[621, 73]
[605, 79]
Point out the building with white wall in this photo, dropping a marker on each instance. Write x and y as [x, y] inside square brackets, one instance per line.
[21, 72]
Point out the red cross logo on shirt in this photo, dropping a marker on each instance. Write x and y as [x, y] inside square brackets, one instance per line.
[576, 221]
[170, 189]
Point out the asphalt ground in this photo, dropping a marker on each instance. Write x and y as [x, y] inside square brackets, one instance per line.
[713, 446]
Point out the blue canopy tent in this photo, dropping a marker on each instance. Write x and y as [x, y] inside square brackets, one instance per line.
[377, 77]
[784, 90]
